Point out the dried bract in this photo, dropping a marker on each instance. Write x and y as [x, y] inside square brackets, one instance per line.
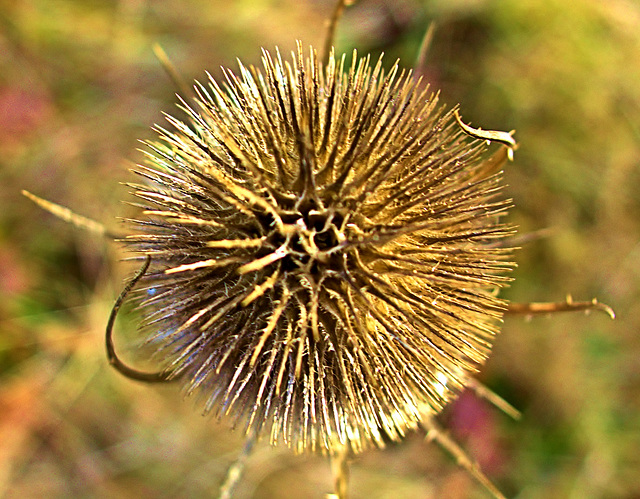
[325, 246]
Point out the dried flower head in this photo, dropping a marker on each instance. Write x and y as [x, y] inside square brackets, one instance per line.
[325, 251]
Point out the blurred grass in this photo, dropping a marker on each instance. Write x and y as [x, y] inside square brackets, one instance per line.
[79, 85]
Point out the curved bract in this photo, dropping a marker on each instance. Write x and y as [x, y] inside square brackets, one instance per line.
[326, 249]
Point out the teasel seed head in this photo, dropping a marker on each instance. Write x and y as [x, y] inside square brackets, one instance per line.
[326, 246]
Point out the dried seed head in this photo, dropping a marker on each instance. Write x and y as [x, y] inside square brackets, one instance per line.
[325, 251]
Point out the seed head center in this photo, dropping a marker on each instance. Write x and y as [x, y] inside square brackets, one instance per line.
[314, 238]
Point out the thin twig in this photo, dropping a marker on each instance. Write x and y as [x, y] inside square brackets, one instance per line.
[114, 360]
[171, 70]
[538, 308]
[69, 216]
[493, 398]
[331, 28]
[505, 138]
[234, 473]
[340, 470]
[421, 59]
[437, 434]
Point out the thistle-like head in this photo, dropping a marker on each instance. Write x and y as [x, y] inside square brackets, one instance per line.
[325, 246]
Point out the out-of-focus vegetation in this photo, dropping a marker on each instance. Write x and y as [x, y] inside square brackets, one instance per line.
[79, 85]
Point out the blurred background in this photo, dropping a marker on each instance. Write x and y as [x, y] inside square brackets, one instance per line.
[79, 85]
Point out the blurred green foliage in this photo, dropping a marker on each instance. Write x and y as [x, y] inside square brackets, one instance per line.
[79, 85]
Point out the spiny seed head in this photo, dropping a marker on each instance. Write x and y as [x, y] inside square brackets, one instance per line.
[325, 246]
